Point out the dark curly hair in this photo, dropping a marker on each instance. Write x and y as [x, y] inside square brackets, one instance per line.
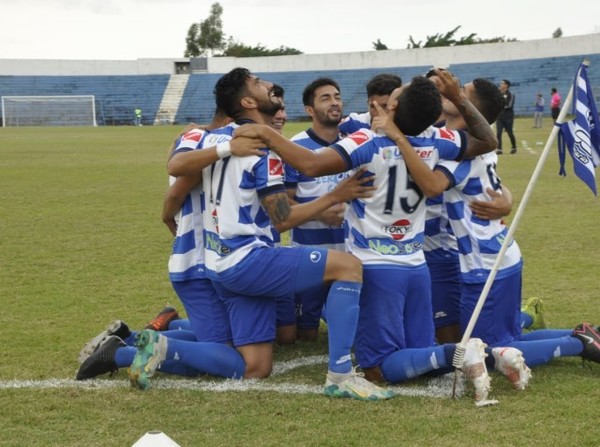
[308, 95]
[230, 89]
[419, 106]
[383, 84]
[488, 99]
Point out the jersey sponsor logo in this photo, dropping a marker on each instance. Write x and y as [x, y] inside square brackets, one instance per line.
[315, 256]
[214, 139]
[446, 134]
[395, 249]
[213, 243]
[192, 135]
[424, 153]
[275, 166]
[398, 229]
[359, 137]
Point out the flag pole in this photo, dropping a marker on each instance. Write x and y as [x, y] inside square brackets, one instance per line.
[460, 348]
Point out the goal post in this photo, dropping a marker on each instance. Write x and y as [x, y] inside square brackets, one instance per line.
[72, 110]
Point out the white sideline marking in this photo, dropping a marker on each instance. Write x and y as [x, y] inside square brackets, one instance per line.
[440, 387]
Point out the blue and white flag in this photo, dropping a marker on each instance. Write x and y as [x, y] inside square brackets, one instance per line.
[581, 135]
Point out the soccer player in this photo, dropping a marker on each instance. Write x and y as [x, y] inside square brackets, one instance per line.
[479, 241]
[323, 103]
[208, 350]
[379, 89]
[395, 338]
[244, 196]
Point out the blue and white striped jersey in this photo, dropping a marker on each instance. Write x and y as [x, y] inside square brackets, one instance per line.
[187, 258]
[388, 228]
[479, 241]
[354, 122]
[440, 243]
[307, 189]
[235, 222]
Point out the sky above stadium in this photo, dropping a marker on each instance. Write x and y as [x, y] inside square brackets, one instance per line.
[133, 29]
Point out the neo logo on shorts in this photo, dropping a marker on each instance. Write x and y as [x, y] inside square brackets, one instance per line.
[388, 247]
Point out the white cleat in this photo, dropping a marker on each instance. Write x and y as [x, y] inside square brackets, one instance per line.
[475, 370]
[511, 363]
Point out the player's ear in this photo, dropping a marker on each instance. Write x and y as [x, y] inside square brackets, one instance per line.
[248, 102]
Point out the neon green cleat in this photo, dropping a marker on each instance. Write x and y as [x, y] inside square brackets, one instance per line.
[534, 307]
[354, 386]
[152, 351]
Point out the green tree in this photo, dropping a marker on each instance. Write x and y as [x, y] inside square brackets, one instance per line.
[238, 49]
[379, 45]
[206, 37]
[557, 33]
[448, 40]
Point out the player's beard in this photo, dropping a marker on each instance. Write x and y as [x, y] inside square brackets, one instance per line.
[327, 120]
[269, 107]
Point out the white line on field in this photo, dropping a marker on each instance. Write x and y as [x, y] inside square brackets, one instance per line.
[439, 387]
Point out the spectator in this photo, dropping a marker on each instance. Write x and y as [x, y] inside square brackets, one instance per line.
[507, 117]
[138, 116]
[555, 100]
[538, 111]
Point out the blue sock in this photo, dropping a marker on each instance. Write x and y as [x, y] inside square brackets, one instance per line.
[342, 318]
[540, 352]
[124, 356]
[526, 320]
[216, 359]
[131, 338]
[180, 325]
[409, 363]
[179, 334]
[544, 334]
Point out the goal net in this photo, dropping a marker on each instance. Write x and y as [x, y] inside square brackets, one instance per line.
[77, 110]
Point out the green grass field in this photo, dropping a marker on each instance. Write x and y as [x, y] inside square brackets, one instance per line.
[82, 243]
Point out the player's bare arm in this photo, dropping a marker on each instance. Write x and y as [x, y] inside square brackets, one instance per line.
[192, 162]
[481, 138]
[312, 163]
[174, 198]
[283, 216]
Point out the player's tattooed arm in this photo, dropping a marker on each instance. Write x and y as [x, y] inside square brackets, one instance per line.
[278, 208]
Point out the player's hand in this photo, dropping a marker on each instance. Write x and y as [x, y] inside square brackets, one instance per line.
[493, 209]
[251, 131]
[355, 187]
[334, 215]
[171, 225]
[447, 84]
[242, 146]
[383, 123]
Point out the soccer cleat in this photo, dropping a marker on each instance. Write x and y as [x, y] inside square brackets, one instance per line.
[355, 386]
[162, 320]
[499, 151]
[102, 360]
[510, 362]
[117, 327]
[475, 370]
[513, 150]
[590, 337]
[534, 307]
[152, 351]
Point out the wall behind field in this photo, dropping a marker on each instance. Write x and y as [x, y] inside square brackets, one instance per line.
[442, 56]
[119, 86]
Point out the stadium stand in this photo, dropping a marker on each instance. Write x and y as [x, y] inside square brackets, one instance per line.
[117, 95]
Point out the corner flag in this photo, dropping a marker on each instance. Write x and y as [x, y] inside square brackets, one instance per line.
[581, 135]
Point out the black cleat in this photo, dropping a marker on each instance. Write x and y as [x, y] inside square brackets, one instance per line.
[590, 337]
[102, 361]
[117, 327]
